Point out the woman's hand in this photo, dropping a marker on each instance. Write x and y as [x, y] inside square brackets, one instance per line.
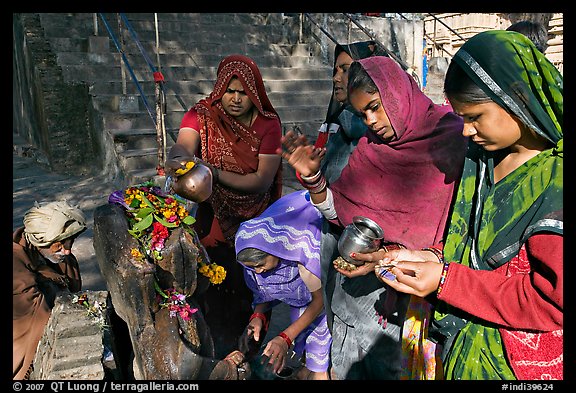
[387, 257]
[385, 264]
[176, 161]
[301, 155]
[371, 261]
[276, 351]
[255, 328]
[414, 278]
[360, 270]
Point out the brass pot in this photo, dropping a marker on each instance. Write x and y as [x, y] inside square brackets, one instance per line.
[195, 185]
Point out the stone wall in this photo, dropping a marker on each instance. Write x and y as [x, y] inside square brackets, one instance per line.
[465, 25]
[402, 37]
[442, 42]
[47, 112]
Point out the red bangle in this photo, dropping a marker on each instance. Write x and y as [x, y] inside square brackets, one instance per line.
[286, 338]
[436, 252]
[259, 315]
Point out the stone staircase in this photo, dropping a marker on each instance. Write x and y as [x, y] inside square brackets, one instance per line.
[190, 47]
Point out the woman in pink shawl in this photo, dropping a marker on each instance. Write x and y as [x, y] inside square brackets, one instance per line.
[402, 175]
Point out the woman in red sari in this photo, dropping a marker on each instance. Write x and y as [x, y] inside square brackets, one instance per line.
[235, 131]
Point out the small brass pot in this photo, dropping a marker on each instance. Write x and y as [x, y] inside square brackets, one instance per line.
[362, 235]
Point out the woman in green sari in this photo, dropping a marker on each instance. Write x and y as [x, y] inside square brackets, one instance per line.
[499, 284]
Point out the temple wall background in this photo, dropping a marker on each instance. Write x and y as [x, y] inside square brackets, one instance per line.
[469, 24]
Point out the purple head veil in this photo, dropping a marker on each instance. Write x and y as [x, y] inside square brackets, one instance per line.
[289, 229]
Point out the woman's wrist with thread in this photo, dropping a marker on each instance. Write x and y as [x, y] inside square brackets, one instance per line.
[326, 207]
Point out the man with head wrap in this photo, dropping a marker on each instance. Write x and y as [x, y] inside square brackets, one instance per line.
[43, 265]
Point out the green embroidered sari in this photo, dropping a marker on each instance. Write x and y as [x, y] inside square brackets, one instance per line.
[490, 222]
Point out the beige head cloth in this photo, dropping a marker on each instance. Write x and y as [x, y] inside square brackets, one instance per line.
[50, 222]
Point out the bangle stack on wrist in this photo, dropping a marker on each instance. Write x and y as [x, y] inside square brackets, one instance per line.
[436, 252]
[315, 184]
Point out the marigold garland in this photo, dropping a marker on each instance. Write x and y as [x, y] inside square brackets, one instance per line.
[152, 215]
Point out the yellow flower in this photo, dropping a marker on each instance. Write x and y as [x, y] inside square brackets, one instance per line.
[181, 171]
[136, 254]
[215, 273]
[218, 273]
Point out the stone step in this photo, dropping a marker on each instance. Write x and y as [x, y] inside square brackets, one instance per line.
[182, 102]
[205, 86]
[138, 120]
[195, 18]
[81, 44]
[185, 59]
[113, 72]
[309, 128]
[137, 149]
[145, 138]
[221, 26]
[136, 115]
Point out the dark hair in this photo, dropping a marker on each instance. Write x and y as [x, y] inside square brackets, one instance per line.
[251, 255]
[358, 78]
[535, 31]
[460, 87]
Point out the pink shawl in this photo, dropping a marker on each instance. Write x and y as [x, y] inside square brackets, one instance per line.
[405, 185]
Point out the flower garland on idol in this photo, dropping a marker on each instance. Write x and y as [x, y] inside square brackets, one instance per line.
[152, 216]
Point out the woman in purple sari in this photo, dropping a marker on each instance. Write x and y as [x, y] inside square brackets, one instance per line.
[280, 253]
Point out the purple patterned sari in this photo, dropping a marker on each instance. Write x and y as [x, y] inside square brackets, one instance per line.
[289, 229]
